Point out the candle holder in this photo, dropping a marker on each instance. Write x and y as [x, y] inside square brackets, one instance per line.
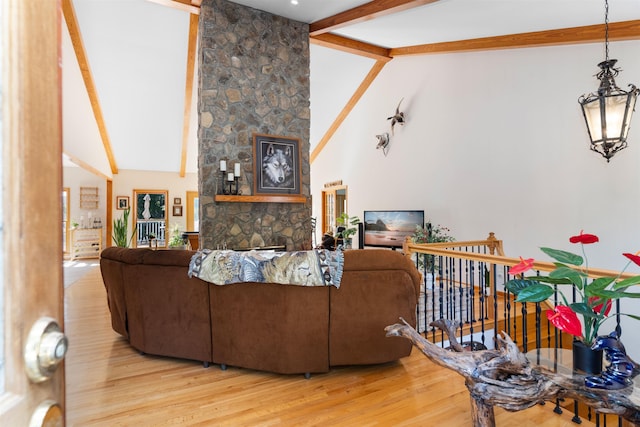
[237, 192]
[230, 188]
[221, 188]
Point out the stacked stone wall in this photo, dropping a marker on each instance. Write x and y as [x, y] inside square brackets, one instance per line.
[253, 78]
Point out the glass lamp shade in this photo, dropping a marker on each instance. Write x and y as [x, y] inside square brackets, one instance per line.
[608, 112]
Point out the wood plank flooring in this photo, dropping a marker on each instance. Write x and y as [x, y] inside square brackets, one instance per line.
[111, 384]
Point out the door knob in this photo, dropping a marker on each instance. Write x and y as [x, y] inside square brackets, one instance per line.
[45, 349]
[47, 414]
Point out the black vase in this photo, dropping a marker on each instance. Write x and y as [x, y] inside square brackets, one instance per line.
[585, 360]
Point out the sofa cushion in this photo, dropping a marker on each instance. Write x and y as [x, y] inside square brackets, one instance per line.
[271, 327]
[148, 256]
[168, 313]
[379, 287]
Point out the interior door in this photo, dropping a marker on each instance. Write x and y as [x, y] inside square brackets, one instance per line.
[193, 211]
[31, 250]
[334, 203]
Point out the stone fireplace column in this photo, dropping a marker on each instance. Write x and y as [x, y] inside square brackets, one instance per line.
[253, 78]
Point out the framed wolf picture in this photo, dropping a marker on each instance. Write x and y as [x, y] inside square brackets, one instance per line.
[276, 164]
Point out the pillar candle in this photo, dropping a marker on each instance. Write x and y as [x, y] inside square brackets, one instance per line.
[236, 169]
[223, 165]
[230, 176]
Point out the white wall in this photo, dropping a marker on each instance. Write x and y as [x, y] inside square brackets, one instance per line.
[495, 141]
[125, 181]
[74, 178]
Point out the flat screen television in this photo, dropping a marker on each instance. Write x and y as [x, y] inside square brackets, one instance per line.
[389, 229]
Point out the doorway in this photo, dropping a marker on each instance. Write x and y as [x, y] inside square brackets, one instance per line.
[334, 203]
[150, 217]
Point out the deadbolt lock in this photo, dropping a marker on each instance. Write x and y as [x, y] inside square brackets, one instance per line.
[45, 349]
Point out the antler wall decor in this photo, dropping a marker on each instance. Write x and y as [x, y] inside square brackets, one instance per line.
[383, 143]
[398, 117]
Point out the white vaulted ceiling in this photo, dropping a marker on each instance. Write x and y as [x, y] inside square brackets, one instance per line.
[136, 52]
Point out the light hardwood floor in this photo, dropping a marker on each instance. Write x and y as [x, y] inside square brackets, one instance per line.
[111, 384]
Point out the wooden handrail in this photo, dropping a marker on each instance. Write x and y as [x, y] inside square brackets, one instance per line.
[445, 249]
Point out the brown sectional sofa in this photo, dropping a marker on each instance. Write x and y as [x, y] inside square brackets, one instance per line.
[278, 328]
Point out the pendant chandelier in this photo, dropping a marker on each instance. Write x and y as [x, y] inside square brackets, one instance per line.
[608, 111]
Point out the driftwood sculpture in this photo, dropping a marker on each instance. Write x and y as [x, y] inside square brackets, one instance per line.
[504, 377]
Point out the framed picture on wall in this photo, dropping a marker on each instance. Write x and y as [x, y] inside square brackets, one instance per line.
[276, 164]
[122, 202]
[177, 210]
[177, 201]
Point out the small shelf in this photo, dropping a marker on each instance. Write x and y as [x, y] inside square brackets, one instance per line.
[86, 243]
[275, 198]
[89, 198]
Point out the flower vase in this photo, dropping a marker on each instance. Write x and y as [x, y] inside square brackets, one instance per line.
[586, 360]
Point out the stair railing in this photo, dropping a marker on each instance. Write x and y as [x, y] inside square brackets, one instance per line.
[464, 282]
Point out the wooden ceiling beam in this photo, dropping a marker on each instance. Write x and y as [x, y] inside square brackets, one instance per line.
[191, 6]
[351, 46]
[86, 166]
[371, 76]
[188, 91]
[365, 12]
[618, 31]
[78, 47]
[625, 30]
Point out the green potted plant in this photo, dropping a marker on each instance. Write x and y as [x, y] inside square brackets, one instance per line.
[430, 234]
[177, 241]
[593, 297]
[120, 230]
[350, 228]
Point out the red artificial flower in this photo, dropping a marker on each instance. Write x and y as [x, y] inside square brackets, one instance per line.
[524, 265]
[634, 257]
[584, 238]
[598, 307]
[565, 319]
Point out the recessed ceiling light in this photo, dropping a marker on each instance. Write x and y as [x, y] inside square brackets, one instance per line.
[294, 2]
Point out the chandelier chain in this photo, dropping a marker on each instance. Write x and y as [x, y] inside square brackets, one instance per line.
[606, 29]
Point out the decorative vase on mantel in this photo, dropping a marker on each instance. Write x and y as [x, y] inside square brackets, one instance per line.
[586, 360]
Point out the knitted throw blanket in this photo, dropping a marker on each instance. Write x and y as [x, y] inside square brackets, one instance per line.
[318, 267]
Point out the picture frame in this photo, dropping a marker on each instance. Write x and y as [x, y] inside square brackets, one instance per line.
[177, 210]
[276, 165]
[177, 201]
[122, 202]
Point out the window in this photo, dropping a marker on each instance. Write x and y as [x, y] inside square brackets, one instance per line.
[150, 217]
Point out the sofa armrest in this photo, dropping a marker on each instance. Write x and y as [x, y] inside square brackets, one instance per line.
[112, 277]
[382, 260]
